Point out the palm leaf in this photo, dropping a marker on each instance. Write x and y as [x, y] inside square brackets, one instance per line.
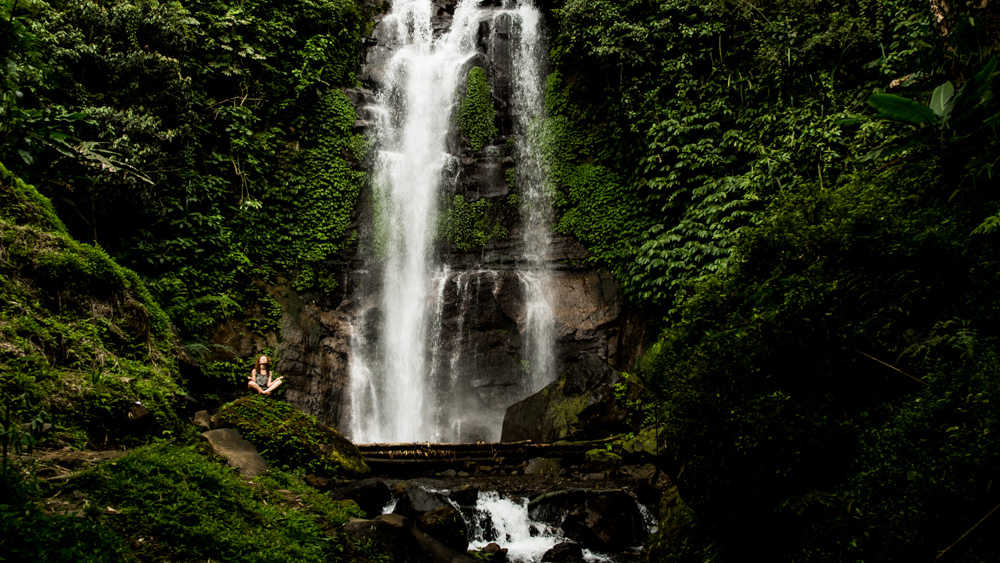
[898, 108]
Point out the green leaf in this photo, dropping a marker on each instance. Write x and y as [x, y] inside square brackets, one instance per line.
[941, 100]
[898, 108]
[987, 72]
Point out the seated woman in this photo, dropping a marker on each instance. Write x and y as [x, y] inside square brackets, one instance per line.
[260, 377]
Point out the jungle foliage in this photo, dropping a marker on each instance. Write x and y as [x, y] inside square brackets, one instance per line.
[201, 143]
[171, 503]
[81, 338]
[476, 114]
[802, 197]
[799, 196]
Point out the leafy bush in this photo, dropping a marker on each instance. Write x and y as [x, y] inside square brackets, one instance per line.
[470, 225]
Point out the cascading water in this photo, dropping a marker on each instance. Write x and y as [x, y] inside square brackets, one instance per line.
[407, 382]
[536, 210]
[507, 521]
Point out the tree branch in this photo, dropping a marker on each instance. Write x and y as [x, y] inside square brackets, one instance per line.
[981, 520]
[892, 367]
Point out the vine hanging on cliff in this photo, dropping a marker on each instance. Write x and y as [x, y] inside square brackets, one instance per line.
[477, 116]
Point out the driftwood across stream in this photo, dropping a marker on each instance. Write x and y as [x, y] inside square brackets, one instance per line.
[478, 457]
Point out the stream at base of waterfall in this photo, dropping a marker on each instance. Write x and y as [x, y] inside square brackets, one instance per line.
[527, 516]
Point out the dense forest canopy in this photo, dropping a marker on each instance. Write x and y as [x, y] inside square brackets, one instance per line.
[799, 195]
[808, 202]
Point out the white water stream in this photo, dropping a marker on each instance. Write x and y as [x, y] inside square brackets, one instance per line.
[506, 522]
[399, 383]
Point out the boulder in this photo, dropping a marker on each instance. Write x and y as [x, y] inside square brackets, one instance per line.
[565, 552]
[609, 521]
[446, 524]
[644, 443]
[239, 453]
[397, 537]
[551, 508]
[600, 520]
[579, 404]
[390, 532]
[600, 460]
[218, 422]
[342, 451]
[412, 501]
[371, 495]
[497, 554]
[466, 495]
[203, 420]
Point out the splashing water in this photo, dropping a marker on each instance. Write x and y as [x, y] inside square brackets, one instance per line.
[505, 521]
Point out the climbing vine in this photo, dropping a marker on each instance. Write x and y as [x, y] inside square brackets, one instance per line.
[303, 222]
[469, 225]
[476, 115]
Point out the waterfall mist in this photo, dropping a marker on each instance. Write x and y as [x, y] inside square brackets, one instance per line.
[408, 381]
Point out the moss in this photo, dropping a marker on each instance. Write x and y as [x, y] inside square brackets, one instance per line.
[564, 413]
[476, 116]
[602, 459]
[81, 338]
[304, 221]
[291, 439]
[187, 507]
[29, 534]
[643, 443]
[21, 204]
[468, 225]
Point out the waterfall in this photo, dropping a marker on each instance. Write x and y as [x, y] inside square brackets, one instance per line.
[536, 208]
[406, 382]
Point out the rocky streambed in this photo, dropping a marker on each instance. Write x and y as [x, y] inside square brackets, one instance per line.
[541, 511]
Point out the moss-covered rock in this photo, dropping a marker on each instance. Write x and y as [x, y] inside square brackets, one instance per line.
[81, 338]
[446, 524]
[21, 204]
[288, 438]
[600, 459]
[578, 405]
[643, 443]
